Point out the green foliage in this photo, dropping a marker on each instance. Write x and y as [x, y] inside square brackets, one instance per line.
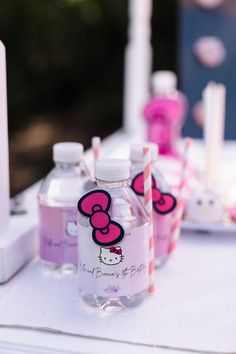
[62, 52]
[65, 73]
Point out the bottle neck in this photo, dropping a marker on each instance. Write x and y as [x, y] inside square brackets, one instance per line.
[171, 93]
[114, 184]
[140, 163]
[65, 166]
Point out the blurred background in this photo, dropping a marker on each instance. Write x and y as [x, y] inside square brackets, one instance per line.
[65, 73]
[65, 61]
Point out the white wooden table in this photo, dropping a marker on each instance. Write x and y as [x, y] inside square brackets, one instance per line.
[193, 310]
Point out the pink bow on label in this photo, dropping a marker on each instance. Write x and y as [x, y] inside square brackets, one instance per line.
[116, 250]
[163, 203]
[96, 205]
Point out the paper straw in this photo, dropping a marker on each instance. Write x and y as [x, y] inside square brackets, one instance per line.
[147, 175]
[178, 215]
[96, 145]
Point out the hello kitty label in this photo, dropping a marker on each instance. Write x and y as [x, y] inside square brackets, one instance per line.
[163, 205]
[58, 231]
[119, 270]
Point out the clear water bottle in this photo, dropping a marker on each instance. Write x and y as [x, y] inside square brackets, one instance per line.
[57, 199]
[113, 241]
[163, 201]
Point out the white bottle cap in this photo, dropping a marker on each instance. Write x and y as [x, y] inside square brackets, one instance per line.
[67, 152]
[112, 170]
[164, 82]
[136, 151]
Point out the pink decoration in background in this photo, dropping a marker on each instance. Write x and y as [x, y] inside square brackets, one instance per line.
[165, 116]
[232, 213]
[209, 4]
[198, 114]
[210, 51]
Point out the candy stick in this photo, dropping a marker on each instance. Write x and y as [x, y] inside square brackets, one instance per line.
[176, 225]
[147, 175]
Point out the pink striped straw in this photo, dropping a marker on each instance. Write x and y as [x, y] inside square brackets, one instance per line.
[183, 189]
[96, 146]
[147, 175]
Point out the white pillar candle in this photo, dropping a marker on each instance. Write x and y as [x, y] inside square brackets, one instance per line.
[214, 123]
[138, 65]
[4, 159]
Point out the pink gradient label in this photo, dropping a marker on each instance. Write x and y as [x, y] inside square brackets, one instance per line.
[58, 234]
[162, 234]
[163, 204]
[120, 270]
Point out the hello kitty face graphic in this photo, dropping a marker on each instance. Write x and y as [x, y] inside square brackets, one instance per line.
[71, 228]
[111, 256]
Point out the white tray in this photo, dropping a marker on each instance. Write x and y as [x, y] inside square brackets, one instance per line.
[224, 227]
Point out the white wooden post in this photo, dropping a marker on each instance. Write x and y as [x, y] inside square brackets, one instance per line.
[4, 159]
[138, 66]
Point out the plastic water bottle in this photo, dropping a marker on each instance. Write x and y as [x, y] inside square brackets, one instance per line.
[163, 201]
[58, 198]
[113, 241]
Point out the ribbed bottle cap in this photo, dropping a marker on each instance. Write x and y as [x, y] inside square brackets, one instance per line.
[136, 151]
[68, 152]
[112, 170]
[163, 82]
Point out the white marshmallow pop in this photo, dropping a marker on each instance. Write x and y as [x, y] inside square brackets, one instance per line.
[205, 207]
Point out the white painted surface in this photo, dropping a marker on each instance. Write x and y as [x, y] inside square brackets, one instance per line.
[193, 308]
[4, 159]
[20, 244]
[33, 342]
[138, 66]
[17, 234]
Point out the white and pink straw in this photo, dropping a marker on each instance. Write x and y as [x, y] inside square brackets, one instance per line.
[96, 146]
[147, 175]
[183, 190]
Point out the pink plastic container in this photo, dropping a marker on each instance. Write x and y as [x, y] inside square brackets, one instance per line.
[165, 113]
